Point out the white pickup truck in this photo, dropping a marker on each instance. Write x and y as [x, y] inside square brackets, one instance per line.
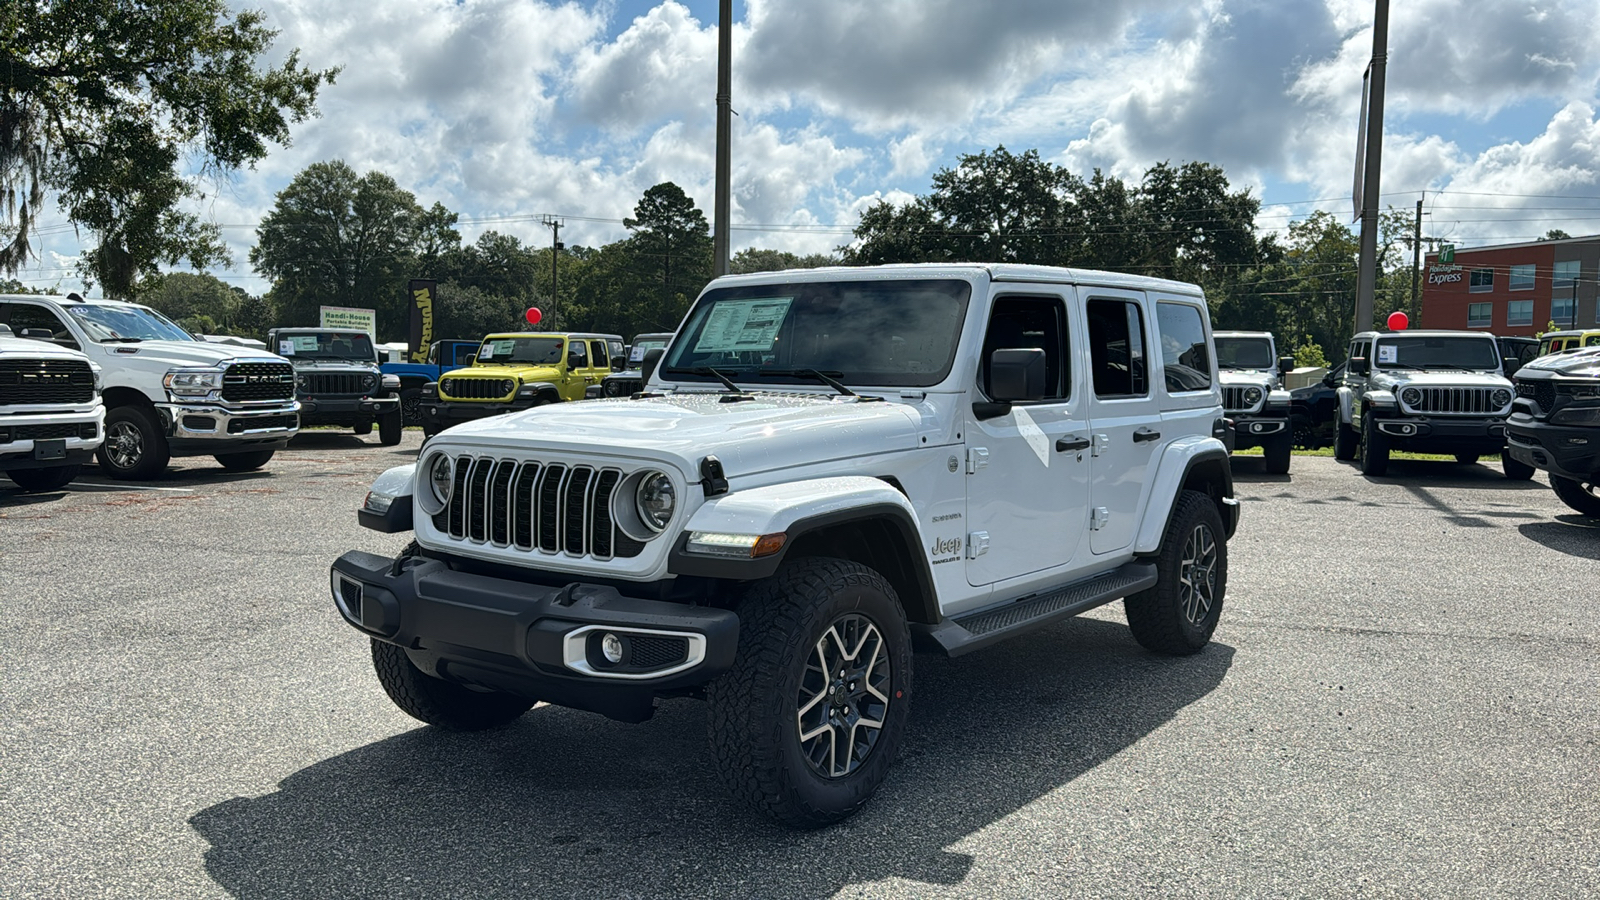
[166, 393]
[50, 412]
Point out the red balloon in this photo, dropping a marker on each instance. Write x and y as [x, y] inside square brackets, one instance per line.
[1398, 321]
[534, 315]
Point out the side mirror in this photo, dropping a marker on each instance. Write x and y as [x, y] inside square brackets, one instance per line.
[1511, 364]
[1285, 365]
[647, 367]
[1360, 366]
[470, 359]
[1329, 380]
[1017, 374]
[618, 363]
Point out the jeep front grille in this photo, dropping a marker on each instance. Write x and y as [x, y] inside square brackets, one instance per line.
[477, 388]
[45, 381]
[352, 383]
[1542, 392]
[1233, 399]
[541, 508]
[253, 381]
[1458, 401]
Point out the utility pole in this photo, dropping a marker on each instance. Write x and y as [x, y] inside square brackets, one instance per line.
[1416, 265]
[719, 232]
[556, 246]
[1367, 277]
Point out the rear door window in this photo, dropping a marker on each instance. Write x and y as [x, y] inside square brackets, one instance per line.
[1185, 352]
[1117, 348]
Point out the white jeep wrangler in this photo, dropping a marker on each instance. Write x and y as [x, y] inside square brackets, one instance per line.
[166, 393]
[1425, 392]
[1253, 395]
[826, 467]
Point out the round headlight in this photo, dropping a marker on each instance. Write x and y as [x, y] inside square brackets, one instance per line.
[300, 381]
[371, 382]
[655, 500]
[507, 386]
[1501, 397]
[1252, 396]
[1411, 397]
[441, 478]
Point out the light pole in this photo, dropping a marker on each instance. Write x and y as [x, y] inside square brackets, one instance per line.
[1372, 153]
[719, 232]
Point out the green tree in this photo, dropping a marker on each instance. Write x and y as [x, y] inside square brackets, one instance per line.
[334, 238]
[101, 103]
[1308, 354]
[999, 207]
[670, 254]
[752, 260]
[184, 295]
[899, 234]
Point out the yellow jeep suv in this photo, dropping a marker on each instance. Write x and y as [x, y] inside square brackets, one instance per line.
[1562, 341]
[519, 370]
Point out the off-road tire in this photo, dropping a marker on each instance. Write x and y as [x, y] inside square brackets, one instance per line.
[441, 703]
[1277, 453]
[1175, 617]
[39, 480]
[411, 405]
[391, 426]
[1374, 450]
[1344, 442]
[134, 448]
[756, 706]
[244, 461]
[1581, 496]
[1467, 459]
[1514, 470]
[362, 429]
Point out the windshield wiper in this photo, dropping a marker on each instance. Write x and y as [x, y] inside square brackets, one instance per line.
[706, 370]
[824, 377]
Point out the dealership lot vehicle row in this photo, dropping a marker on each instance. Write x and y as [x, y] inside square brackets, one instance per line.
[1401, 700]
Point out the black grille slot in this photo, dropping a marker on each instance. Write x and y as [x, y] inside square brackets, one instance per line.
[262, 423]
[85, 430]
[351, 383]
[551, 508]
[1233, 399]
[1543, 392]
[654, 651]
[476, 388]
[45, 381]
[253, 381]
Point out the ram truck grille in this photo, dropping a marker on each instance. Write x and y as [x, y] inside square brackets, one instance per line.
[477, 388]
[1458, 401]
[58, 381]
[546, 508]
[255, 381]
[326, 383]
[1542, 392]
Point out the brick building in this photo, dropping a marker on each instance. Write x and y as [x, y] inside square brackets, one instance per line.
[1514, 289]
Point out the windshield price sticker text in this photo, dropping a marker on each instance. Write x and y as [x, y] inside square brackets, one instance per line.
[737, 326]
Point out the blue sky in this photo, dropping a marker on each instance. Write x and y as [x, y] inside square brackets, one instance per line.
[510, 110]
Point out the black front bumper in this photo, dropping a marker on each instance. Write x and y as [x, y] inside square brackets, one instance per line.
[1259, 429]
[444, 413]
[1559, 449]
[1439, 435]
[28, 459]
[345, 410]
[539, 642]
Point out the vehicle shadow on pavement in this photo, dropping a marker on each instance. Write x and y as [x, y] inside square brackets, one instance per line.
[1253, 470]
[327, 440]
[563, 803]
[1573, 535]
[1448, 473]
[180, 473]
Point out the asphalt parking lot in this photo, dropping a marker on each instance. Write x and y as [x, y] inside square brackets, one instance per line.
[1403, 699]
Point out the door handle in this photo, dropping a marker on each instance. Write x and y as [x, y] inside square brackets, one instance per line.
[1145, 434]
[1071, 444]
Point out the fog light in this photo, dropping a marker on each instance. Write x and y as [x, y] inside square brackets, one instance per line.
[611, 646]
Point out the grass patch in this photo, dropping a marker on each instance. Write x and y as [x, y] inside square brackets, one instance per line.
[1328, 453]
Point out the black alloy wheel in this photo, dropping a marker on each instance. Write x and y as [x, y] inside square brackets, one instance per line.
[411, 405]
[1583, 496]
[843, 697]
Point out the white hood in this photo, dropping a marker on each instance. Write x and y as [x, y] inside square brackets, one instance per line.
[772, 431]
[1443, 378]
[182, 353]
[13, 346]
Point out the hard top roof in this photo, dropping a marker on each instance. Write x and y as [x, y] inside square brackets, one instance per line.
[1000, 272]
[582, 335]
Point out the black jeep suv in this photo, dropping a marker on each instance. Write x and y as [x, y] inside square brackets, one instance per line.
[1555, 424]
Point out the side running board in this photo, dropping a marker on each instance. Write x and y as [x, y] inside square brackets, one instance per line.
[975, 630]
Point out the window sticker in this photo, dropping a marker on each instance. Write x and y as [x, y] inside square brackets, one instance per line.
[1388, 353]
[286, 348]
[305, 342]
[492, 349]
[636, 354]
[736, 326]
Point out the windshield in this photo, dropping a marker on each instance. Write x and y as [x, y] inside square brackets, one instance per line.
[327, 345]
[543, 350]
[891, 333]
[636, 355]
[126, 323]
[1244, 353]
[1436, 352]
